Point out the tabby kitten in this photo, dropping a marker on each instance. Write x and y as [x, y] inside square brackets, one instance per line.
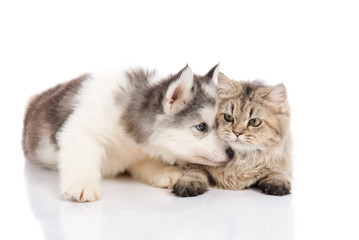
[254, 120]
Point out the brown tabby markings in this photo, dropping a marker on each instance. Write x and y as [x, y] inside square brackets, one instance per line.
[262, 154]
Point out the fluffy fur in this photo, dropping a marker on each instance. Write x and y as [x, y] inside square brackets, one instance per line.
[262, 153]
[99, 125]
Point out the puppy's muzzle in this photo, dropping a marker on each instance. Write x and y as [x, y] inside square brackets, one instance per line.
[230, 153]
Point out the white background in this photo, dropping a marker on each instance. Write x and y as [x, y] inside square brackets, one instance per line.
[310, 46]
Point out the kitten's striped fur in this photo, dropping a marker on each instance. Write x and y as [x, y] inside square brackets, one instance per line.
[262, 154]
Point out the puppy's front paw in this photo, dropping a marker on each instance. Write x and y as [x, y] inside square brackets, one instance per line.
[167, 178]
[189, 188]
[82, 192]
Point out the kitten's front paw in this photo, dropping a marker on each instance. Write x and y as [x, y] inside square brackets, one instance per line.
[82, 192]
[189, 188]
[167, 178]
[276, 188]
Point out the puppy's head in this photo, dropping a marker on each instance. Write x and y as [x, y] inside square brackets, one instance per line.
[186, 127]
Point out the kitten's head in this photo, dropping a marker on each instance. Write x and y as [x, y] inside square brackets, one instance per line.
[251, 115]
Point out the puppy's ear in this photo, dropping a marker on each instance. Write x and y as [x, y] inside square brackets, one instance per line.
[213, 73]
[179, 92]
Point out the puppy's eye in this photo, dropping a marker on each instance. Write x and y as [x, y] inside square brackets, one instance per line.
[255, 122]
[202, 127]
[228, 117]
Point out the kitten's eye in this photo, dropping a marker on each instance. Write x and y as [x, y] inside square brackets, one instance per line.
[202, 127]
[255, 122]
[228, 117]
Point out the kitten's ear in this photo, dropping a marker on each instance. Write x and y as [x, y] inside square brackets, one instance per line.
[225, 84]
[278, 97]
[213, 73]
[179, 91]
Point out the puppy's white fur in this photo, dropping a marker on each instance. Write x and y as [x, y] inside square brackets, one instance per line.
[92, 143]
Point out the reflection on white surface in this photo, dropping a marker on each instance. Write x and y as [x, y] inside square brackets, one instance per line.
[132, 210]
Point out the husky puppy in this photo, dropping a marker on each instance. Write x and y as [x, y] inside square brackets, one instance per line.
[99, 125]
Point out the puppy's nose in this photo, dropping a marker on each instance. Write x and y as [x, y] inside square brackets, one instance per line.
[230, 153]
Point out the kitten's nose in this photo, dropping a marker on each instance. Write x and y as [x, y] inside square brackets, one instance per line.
[237, 133]
[230, 153]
